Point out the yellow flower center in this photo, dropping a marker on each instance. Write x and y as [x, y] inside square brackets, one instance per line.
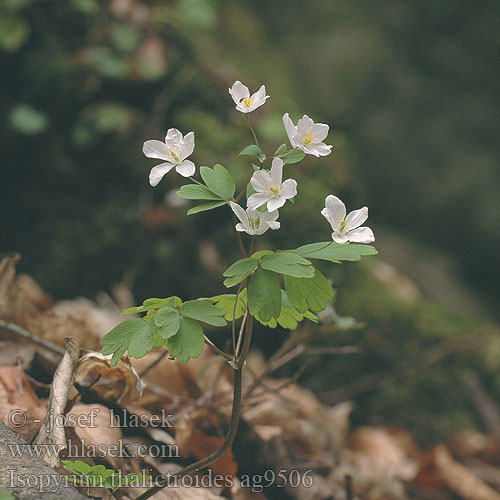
[307, 139]
[247, 102]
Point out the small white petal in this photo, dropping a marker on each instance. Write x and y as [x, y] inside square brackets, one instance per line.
[275, 203]
[241, 228]
[277, 170]
[274, 225]
[320, 149]
[157, 173]
[304, 125]
[319, 131]
[290, 128]
[260, 180]
[187, 146]
[289, 188]
[355, 219]
[239, 91]
[173, 136]
[155, 149]
[257, 200]
[339, 238]
[186, 168]
[240, 212]
[361, 235]
[334, 211]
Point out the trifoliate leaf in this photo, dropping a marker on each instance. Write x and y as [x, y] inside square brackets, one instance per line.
[226, 303]
[188, 342]
[281, 150]
[134, 335]
[261, 253]
[264, 294]
[196, 192]
[219, 180]
[238, 271]
[309, 293]
[205, 207]
[334, 252]
[202, 310]
[252, 150]
[288, 263]
[293, 156]
[168, 321]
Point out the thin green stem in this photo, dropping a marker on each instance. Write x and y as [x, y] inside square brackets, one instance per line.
[246, 343]
[233, 325]
[220, 352]
[252, 130]
[226, 445]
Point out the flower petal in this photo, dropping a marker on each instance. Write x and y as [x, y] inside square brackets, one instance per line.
[155, 149]
[320, 131]
[361, 235]
[186, 168]
[257, 200]
[275, 203]
[290, 128]
[289, 188]
[242, 229]
[187, 146]
[260, 180]
[319, 149]
[356, 218]
[304, 125]
[334, 211]
[274, 225]
[277, 170]
[259, 98]
[173, 136]
[239, 91]
[339, 238]
[240, 212]
[157, 173]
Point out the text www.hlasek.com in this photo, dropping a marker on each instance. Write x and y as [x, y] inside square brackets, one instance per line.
[83, 450]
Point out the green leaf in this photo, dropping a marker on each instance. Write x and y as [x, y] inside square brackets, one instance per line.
[264, 294]
[281, 150]
[219, 180]
[14, 31]
[252, 150]
[153, 303]
[250, 190]
[205, 207]
[188, 342]
[202, 310]
[309, 293]
[238, 271]
[7, 495]
[168, 321]
[226, 303]
[334, 252]
[134, 335]
[293, 156]
[196, 192]
[288, 263]
[261, 253]
[158, 341]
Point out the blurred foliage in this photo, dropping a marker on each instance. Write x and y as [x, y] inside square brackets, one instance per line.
[410, 92]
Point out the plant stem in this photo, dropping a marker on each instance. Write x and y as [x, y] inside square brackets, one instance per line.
[253, 131]
[246, 342]
[220, 352]
[226, 445]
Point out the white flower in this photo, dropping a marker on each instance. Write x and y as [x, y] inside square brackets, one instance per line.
[307, 135]
[270, 189]
[253, 221]
[244, 102]
[346, 228]
[174, 150]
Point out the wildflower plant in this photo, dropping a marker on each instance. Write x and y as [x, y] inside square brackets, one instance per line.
[272, 287]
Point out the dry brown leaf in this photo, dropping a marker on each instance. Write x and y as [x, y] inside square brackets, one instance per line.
[438, 470]
[60, 392]
[18, 402]
[182, 493]
[93, 428]
[16, 353]
[198, 435]
[120, 383]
